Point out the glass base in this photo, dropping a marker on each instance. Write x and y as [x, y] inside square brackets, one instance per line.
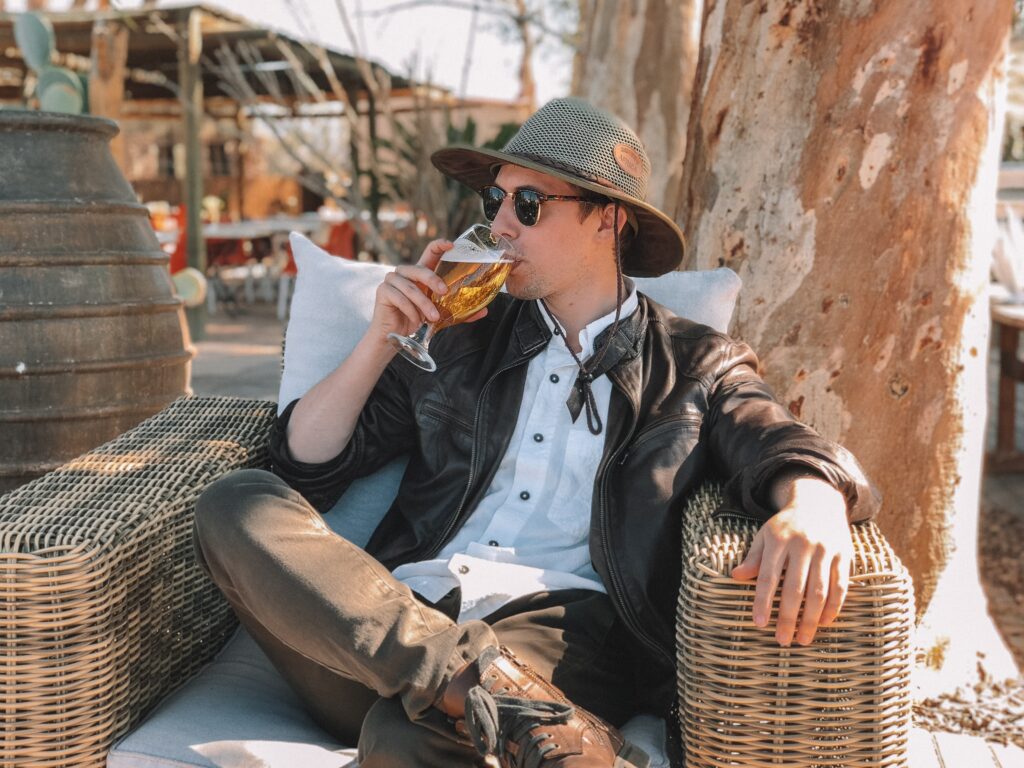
[413, 351]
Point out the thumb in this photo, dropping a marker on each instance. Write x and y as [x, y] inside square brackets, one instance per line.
[752, 562]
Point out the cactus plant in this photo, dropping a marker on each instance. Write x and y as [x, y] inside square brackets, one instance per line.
[58, 89]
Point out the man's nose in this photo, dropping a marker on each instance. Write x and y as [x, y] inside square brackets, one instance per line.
[505, 223]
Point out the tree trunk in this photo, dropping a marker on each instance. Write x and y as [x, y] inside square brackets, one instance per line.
[637, 60]
[106, 79]
[527, 83]
[842, 159]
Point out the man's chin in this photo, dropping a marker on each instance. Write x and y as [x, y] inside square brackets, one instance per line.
[522, 292]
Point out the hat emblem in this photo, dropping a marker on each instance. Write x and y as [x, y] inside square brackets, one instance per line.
[629, 160]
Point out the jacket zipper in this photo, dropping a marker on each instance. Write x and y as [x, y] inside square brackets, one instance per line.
[657, 430]
[472, 465]
[624, 610]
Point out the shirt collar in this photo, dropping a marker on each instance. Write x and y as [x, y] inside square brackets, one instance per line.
[593, 329]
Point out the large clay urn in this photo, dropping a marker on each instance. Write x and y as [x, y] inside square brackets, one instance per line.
[92, 338]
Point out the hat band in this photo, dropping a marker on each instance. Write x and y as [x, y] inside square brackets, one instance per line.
[564, 167]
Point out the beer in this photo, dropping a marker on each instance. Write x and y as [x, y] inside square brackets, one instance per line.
[472, 282]
[474, 271]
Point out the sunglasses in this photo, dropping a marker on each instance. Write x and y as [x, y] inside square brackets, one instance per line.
[525, 202]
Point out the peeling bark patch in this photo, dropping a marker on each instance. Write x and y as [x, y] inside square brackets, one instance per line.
[719, 122]
[885, 354]
[875, 158]
[796, 406]
[928, 336]
[736, 249]
[957, 76]
[930, 48]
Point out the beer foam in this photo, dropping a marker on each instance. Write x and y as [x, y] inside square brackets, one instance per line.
[468, 252]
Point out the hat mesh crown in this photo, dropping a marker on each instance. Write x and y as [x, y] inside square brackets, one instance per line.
[572, 135]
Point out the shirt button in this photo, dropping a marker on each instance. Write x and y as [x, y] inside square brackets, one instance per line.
[525, 495]
[463, 569]
[492, 543]
[554, 378]
[538, 438]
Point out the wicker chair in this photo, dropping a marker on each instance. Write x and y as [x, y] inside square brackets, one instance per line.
[105, 612]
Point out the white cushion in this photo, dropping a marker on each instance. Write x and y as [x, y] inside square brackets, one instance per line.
[239, 713]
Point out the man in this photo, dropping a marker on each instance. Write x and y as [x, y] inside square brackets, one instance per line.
[518, 598]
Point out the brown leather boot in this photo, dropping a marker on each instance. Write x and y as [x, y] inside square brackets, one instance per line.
[510, 711]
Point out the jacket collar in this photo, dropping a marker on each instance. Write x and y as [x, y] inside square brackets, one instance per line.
[532, 334]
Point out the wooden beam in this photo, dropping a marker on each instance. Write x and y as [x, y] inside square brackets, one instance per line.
[190, 51]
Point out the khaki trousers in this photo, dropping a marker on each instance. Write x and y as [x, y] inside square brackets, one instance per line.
[366, 655]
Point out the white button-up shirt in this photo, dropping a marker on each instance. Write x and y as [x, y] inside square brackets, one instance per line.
[530, 531]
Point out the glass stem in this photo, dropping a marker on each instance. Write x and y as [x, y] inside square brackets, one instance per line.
[424, 334]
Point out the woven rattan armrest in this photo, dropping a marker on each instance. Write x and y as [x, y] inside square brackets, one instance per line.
[843, 700]
[105, 610]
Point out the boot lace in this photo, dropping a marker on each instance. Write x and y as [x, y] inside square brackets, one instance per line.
[494, 721]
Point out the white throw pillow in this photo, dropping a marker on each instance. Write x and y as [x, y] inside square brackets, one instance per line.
[333, 304]
[330, 311]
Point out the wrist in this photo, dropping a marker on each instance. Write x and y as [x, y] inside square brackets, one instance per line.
[799, 482]
[374, 348]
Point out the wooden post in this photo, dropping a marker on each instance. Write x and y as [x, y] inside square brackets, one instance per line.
[190, 81]
[106, 79]
[375, 195]
[239, 165]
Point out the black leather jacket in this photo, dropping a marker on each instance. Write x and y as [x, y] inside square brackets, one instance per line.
[686, 405]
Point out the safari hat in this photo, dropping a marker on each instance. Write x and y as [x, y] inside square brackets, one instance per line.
[575, 141]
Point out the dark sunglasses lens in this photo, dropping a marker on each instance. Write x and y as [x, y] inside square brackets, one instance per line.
[492, 197]
[527, 207]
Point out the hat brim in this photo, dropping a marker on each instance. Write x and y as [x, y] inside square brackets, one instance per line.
[659, 245]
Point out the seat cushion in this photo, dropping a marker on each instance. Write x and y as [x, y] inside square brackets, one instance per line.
[236, 712]
[239, 713]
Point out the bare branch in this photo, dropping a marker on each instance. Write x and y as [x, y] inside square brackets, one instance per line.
[515, 15]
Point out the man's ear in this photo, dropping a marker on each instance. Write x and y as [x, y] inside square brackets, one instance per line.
[607, 216]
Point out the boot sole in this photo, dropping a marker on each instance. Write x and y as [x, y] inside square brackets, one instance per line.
[631, 756]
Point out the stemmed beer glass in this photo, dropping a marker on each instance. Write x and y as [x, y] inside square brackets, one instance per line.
[474, 270]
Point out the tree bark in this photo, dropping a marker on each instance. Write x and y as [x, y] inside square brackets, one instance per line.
[637, 60]
[106, 79]
[842, 159]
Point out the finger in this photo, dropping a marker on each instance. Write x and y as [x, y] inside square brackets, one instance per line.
[433, 252]
[815, 594]
[397, 299]
[752, 562]
[797, 564]
[423, 276]
[838, 589]
[767, 582]
[426, 308]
